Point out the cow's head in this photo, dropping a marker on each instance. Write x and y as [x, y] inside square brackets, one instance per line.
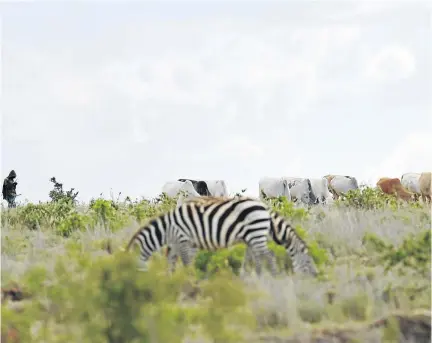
[202, 189]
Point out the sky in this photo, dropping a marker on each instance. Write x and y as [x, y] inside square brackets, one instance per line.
[113, 97]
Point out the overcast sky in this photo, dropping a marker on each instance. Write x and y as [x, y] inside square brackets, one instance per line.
[104, 95]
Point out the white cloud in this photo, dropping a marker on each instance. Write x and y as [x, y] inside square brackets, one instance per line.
[211, 96]
[412, 154]
[240, 147]
[391, 63]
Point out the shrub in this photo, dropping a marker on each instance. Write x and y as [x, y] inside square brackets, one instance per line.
[414, 252]
[367, 198]
[107, 300]
[58, 193]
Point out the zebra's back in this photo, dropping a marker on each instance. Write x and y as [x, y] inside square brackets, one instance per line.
[212, 223]
[208, 223]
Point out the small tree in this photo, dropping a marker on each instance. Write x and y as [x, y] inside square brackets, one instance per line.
[58, 193]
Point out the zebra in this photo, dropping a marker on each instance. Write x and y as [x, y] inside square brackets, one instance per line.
[208, 223]
[282, 233]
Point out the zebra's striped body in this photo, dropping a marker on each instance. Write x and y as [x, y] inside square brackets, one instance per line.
[281, 232]
[208, 223]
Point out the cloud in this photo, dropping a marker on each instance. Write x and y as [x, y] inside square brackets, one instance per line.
[412, 154]
[139, 95]
[240, 147]
[391, 63]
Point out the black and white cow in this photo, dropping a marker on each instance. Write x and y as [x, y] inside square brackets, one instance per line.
[301, 190]
[216, 188]
[200, 186]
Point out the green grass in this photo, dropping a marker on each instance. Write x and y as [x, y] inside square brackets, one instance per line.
[372, 252]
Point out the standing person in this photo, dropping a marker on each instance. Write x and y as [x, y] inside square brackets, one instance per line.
[9, 189]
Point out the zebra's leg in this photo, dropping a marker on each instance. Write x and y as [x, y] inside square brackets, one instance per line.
[172, 257]
[259, 253]
[272, 261]
[142, 264]
[263, 253]
[187, 253]
[247, 260]
[269, 255]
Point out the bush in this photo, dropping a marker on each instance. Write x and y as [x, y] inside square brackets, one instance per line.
[414, 253]
[96, 300]
[367, 198]
[58, 193]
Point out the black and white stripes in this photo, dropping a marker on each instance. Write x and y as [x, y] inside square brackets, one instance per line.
[282, 233]
[209, 223]
[212, 223]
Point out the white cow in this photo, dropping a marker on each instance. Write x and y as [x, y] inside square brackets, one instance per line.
[172, 188]
[217, 188]
[320, 190]
[187, 192]
[301, 190]
[340, 185]
[410, 181]
[274, 187]
[184, 190]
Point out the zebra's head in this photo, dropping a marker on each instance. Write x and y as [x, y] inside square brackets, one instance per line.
[303, 263]
[284, 234]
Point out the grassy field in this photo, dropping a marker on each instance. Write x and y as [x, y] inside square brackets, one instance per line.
[66, 278]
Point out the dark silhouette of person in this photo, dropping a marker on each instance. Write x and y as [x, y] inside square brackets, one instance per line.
[9, 189]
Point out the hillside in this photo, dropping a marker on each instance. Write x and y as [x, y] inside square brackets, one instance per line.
[66, 278]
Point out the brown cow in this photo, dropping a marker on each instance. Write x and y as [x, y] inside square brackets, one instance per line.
[393, 186]
[10, 335]
[425, 186]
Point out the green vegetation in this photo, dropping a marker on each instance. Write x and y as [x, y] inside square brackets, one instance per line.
[67, 278]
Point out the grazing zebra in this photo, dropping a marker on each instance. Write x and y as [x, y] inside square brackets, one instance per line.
[282, 233]
[208, 223]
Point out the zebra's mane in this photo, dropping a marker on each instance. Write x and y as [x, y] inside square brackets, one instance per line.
[276, 215]
[143, 227]
[132, 240]
[203, 200]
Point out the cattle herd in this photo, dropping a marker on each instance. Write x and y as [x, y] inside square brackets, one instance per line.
[210, 219]
[308, 191]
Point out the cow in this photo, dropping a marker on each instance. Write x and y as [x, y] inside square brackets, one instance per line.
[187, 191]
[301, 190]
[393, 186]
[274, 187]
[410, 181]
[320, 190]
[217, 188]
[339, 185]
[425, 186]
[173, 188]
[200, 186]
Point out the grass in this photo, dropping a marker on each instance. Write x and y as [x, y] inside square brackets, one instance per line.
[374, 283]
